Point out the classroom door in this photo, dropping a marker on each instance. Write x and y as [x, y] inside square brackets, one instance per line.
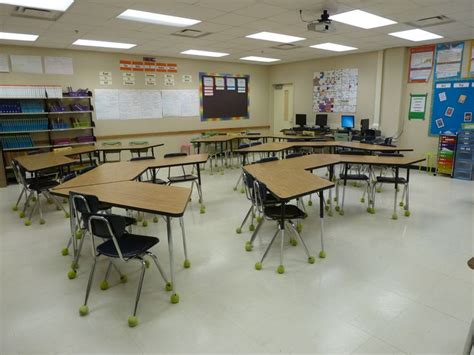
[282, 107]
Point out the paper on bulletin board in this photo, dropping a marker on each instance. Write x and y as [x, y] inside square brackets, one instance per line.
[180, 103]
[58, 65]
[4, 63]
[417, 106]
[26, 64]
[471, 59]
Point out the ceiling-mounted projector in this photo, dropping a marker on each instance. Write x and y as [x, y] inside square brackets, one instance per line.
[322, 25]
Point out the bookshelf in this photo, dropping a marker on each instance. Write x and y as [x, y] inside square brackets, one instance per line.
[43, 123]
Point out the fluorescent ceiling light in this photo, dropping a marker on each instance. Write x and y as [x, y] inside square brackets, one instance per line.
[333, 47]
[158, 19]
[104, 44]
[362, 19]
[204, 53]
[57, 5]
[260, 59]
[275, 37]
[415, 35]
[18, 36]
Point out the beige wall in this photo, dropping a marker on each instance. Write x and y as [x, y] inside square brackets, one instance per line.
[88, 64]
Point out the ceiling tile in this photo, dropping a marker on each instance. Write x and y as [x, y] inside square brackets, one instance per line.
[227, 5]
[260, 11]
[232, 19]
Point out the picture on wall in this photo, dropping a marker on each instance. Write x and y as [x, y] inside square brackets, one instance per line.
[335, 90]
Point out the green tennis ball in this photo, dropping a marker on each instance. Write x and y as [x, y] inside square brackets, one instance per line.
[407, 213]
[328, 201]
[259, 218]
[310, 203]
[362, 200]
[202, 210]
[337, 208]
[242, 190]
[251, 228]
[139, 218]
[66, 215]
[341, 212]
[293, 242]
[83, 311]
[281, 269]
[21, 214]
[15, 208]
[379, 190]
[65, 252]
[401, 204]
[235, 189]
[71, 274]
[27, 222]
[33, 199]
[42, 221]
[299, 227]
[311, 260]
[123, 279]
[248, 246]
[155, 219]
[79, 234]
[394, 216]
[104, 285]
[145, 223]
[147, 264]
[322, 254]
[258, 266]
[169, 286]
[174, 298]
[326, 208]
[132, 321]
[186, 264]
[238, 230]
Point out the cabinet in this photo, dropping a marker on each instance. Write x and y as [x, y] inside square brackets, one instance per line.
[464, 163]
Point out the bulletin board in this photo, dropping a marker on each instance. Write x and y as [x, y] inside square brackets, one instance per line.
[453, 105]
[335, 90]
[224, 96]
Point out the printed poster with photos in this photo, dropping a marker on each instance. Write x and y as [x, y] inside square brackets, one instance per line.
[453, 105]
[335, 90]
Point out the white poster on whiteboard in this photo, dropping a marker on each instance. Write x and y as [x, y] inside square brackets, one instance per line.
[26, 64]
[180, 103]
[58, 65]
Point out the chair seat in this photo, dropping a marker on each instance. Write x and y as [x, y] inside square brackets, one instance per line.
[291, 212]
[361, 177]
[42, 185]
[270, 199]
[391, 180]
[182, 178]
[104, 206]
[130, 245]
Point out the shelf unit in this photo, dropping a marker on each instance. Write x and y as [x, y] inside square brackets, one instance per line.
[63, 128]
[464, 164]
[446, 152]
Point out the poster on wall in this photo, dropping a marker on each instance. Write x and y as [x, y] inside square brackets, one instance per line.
[417, 106]
[449, 60]
[421, 63]
[335, 90]
[471, 59]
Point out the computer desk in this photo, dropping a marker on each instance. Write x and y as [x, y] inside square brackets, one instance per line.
[168, 201]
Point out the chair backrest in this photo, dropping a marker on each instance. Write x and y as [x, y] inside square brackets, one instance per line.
[138, 143]
[244, 145]
[113, 143]
[173, 155]
[248, 185]
[68, 177]
[260, 192]
[253, 144]
[19, 173]
[390, 155]
[354, 152]
[107, 227]
[294, 155]
[142, 158]
[266, 160]
[85, 204]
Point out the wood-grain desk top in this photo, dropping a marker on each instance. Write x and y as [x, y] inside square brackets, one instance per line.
[37, 162]
[106, 173]
[267, 147]
[214, 139]
[371, 147]
[174, 161]
[128, 147]
[77, 150]
[140, 196]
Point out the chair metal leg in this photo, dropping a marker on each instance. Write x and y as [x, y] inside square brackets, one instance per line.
[38, 196]
[269, 246]
[281, 268]
[249, 244]
[84, 310]
[57, 203]
[32, 211]
[139, 290]
[394, 215]
[160, 269]
[250, 211]
[23, 191]
[238, 182]
[293, 228]
[341, 212]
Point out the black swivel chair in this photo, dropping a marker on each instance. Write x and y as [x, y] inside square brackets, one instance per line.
[119, 244]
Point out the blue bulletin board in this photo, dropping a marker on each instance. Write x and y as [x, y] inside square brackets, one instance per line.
[452, 105]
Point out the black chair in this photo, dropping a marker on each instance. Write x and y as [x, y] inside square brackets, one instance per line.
[35, 188]
[82, 207]
[148, 178]
[185, 177]
[283, 214]
[119, 244]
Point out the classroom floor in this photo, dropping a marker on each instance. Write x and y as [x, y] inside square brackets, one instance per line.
[385, 287]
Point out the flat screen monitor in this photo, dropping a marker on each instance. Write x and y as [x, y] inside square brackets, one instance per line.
[347, 121]
[321, 120]
[300, 119]
[364, 124]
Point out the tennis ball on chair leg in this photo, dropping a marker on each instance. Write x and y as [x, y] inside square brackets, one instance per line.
[123, 279]
[132, 321]
[258, 266]
[187, 264]
[65, 252]
[311, 260]
[251, 228]
[145, 223]
[42, 221]
[147, 264]
[27, 222]
[407, 213]
[174, 298]
[72, 274]
[15, 208]
[83, 311]
[21, 214]
[238, 230]
[248, 246]
[104, 285]
[281, 269]
[168, 286]
[299, 227]
[310, 203]
[322, 254]
[155, 219]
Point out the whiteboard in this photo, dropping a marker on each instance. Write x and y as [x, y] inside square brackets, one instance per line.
[180, 103]
[58, 65]
[26, 64]
[113, 104]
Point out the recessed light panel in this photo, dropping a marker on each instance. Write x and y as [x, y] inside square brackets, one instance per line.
[103, 44]
[18, 36]
[333, 47]
[204, 53]
[260, 59]
[275, 37]
[415, 35]
[158, 19]
[56, 5]
[362, 19]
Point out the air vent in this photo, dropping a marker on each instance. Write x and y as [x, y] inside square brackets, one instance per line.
[38, 14]
[191, 33]
[286, 46]
[431, 21]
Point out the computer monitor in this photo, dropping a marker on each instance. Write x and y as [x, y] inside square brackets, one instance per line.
[364, 125]
[300, 119]
[347, 121]
[321, 120]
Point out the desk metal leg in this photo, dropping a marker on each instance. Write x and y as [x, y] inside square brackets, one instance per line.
[394, 215]
[199, 187]
[322, 253]
[329, 201]
[172, 285]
